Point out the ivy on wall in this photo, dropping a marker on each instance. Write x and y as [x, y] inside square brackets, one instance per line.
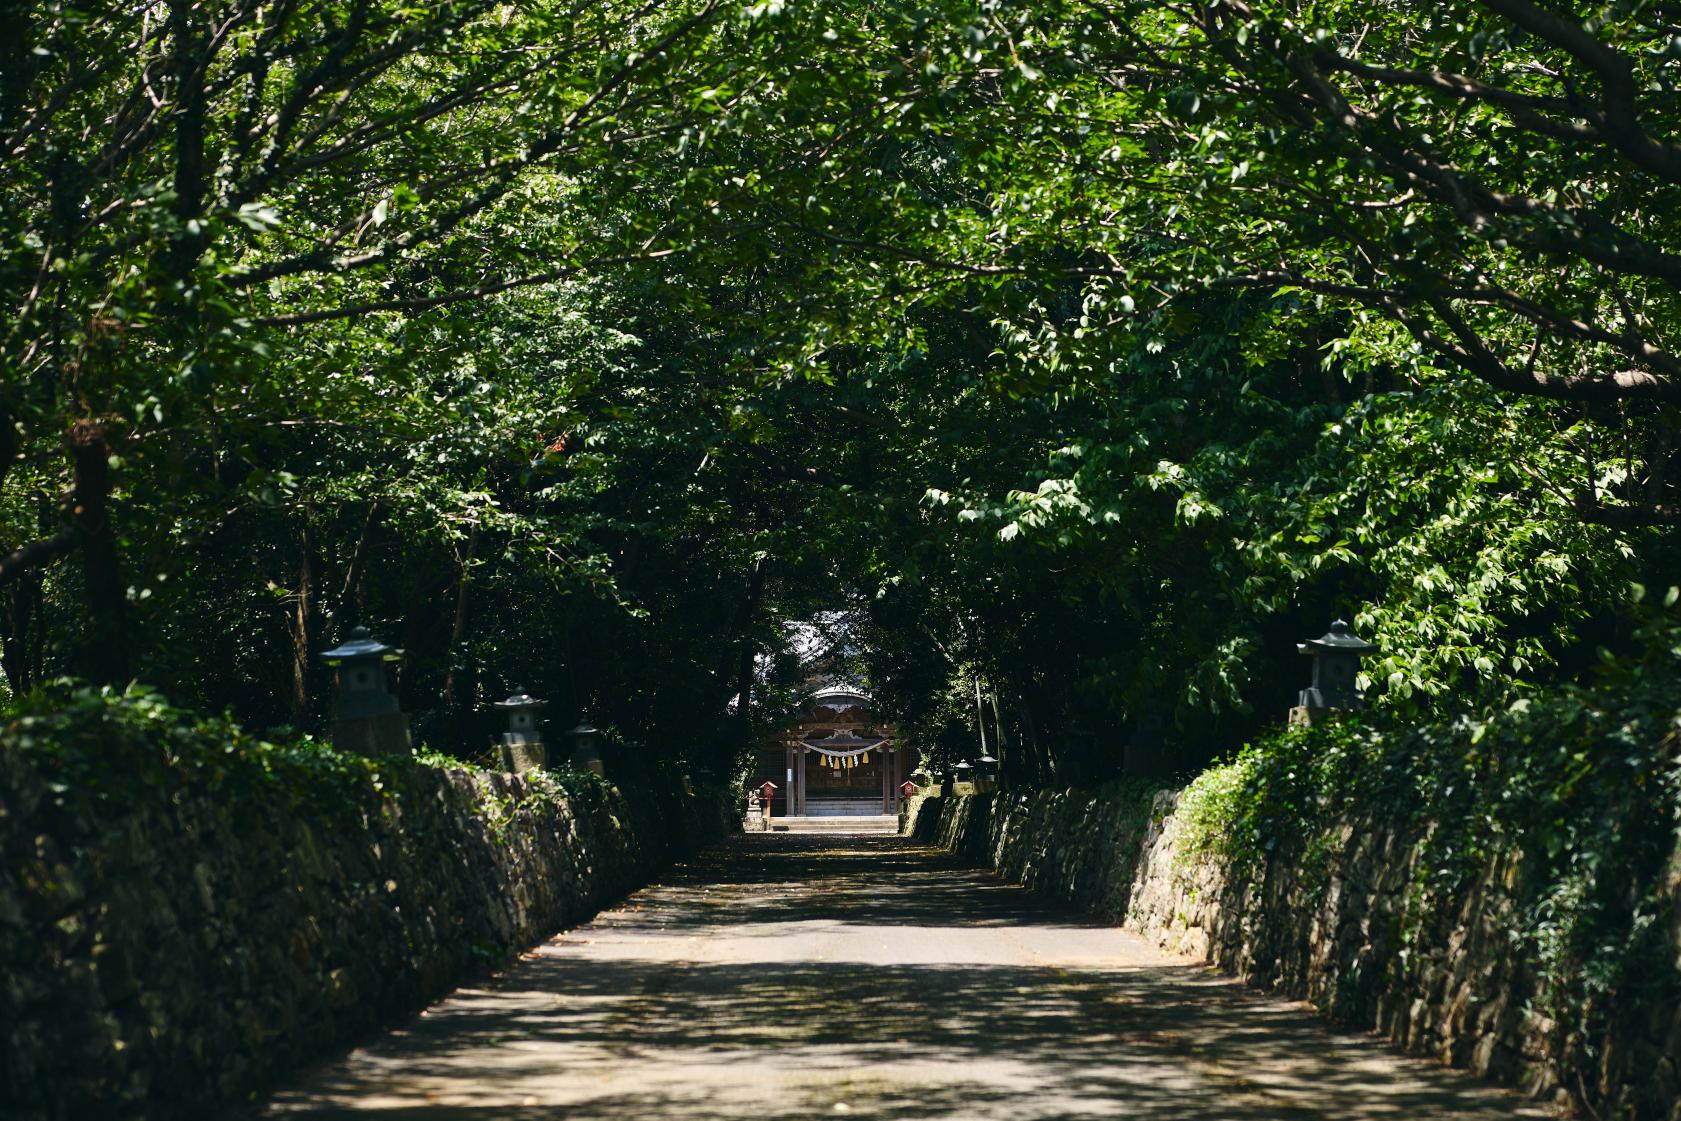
[1569, 798]
[187, 912]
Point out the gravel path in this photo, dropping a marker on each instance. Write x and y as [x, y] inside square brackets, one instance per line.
[787, 976]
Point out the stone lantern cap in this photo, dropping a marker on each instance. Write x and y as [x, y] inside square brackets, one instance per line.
[584, 728]
[361, 645]
[1339, 639]
[520, 700]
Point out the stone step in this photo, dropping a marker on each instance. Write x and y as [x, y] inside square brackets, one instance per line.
[842, 807]
[882, 824]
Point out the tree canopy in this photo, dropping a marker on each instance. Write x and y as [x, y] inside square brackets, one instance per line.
[1088, 354]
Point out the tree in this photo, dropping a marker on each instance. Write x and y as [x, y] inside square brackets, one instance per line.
[190, 182]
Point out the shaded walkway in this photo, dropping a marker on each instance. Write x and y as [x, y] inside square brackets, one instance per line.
[789, 976]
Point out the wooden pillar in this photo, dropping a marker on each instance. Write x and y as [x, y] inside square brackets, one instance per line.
[799, 781]
[886, 781]
[788, 782]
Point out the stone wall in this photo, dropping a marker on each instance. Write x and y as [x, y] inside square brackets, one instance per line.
[1338, 920]
[181, 921]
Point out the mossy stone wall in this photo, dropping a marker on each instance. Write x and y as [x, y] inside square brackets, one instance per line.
[182, 920]
[1344, 927]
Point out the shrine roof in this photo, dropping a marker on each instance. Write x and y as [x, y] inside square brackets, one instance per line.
[840, 695]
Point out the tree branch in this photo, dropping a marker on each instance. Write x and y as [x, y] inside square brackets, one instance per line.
[459, 295]
[1591, 510]
[36, 554]
[1617, 80]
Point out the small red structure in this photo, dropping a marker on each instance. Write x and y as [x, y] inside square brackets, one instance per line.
[766, 789]
[908, 788]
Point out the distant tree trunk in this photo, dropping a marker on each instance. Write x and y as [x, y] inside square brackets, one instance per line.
[458, 626]
[1017, 766]
[1000, 750]
[351, 594]
[35, 655]
[18, 624]
[109, 642]
[1659, 451]
[1038, 757]
[22, 615]
[745, 654]
[8, 435]
[190, 167]
[303, 599]
[429, 591]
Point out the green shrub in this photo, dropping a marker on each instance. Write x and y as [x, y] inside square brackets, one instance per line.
[1574, 793]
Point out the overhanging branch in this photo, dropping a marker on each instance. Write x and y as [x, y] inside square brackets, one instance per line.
[1591, 510]
[36, 554]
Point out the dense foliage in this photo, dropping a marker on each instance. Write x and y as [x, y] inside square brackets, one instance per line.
[1088, 355]
[1567, 798]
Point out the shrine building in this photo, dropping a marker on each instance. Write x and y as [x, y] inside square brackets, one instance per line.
[836, 760]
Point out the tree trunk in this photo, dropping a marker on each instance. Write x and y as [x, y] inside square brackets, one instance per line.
[303, 600]
[188, 74]
[17, 626]
[745, 655]
[35, 665]
[458, 626]
[1039, 768]
[108, 657]
[1660, 449]
[351, 595]
[1000, 750]
[8, 442]
[425, 606]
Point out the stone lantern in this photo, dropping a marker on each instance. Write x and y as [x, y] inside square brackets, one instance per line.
[963, 775]
[986, 771]
[522, 746]
[586, 747]
[1336, 662]
[367, 717]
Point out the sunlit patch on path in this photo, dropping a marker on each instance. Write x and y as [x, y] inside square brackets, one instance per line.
[799, 976]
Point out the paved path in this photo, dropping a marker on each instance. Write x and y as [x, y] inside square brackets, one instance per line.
[787, 976]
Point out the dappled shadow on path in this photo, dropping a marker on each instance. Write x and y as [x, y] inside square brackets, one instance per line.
[879, 881]
[867, 979]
